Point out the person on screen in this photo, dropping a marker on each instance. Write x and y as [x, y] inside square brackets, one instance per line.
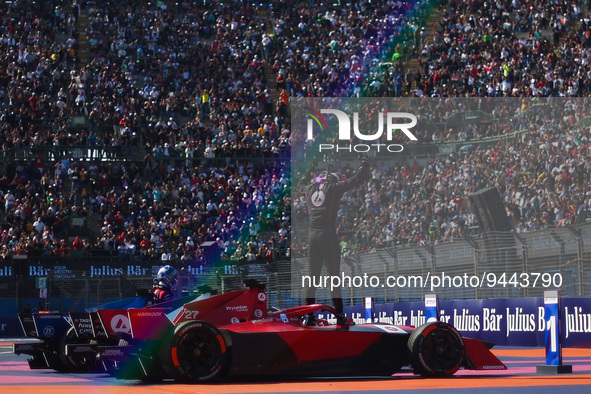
[323, 192]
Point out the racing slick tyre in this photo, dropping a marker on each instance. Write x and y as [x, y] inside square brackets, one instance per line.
[74, 363]
[196, 352]
[436, 349]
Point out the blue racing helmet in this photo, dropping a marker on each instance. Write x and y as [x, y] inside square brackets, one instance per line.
[329, 177]
[169, 277]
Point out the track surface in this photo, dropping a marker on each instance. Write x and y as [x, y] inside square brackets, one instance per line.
[16, 377]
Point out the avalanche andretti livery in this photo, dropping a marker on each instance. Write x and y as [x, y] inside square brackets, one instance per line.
[234, 335]
[55, 331]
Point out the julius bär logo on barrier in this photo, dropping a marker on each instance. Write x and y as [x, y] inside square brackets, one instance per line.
[378, 135]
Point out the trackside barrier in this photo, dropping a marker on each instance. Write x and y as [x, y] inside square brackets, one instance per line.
[553, 337]
[505, 322]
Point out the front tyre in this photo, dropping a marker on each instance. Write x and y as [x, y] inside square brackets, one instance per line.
[196, 352]
[437, 349]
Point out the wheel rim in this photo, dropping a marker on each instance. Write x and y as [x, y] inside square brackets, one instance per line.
[75, 362]
[199, 354]
[441, 351]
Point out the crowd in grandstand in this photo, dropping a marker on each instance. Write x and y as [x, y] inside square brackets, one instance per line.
[507, 48]
[156, 80]
[408, 203]
[187, 85]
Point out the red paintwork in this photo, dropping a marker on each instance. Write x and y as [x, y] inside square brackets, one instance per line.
[114, 325]
[328, 343]
[148, 323]
[245, 311]
[228, 308]
[302, 310]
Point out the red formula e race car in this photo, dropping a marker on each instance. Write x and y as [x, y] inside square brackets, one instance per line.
[234, 335]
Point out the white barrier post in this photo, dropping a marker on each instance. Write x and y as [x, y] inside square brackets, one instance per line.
[368, 309]
[431, 308]
[553, 337]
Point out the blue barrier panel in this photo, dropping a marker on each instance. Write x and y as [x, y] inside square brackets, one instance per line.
[505, 322]
[10, 328]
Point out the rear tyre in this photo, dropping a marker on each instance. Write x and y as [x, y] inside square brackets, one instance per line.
[437, 349]
[196, 352]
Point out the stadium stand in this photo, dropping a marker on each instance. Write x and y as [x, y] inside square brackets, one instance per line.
[156, 122]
